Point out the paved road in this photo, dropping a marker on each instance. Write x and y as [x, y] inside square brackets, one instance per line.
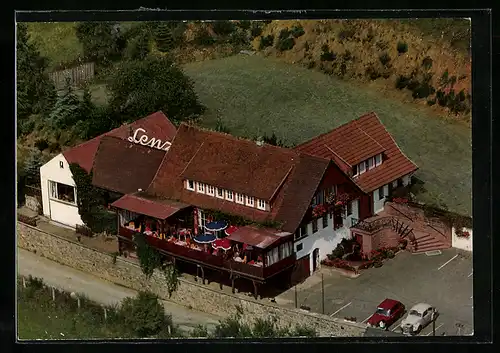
[444, 281]
[101, 291]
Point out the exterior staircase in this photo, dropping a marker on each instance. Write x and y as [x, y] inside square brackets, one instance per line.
[425, 241]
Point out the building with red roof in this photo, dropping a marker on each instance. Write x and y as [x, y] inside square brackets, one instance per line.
[364, 150]
[184, 188]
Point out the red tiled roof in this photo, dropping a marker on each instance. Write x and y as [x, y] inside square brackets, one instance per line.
[373, 137]
[124, 167]
[349, 143]
[259, 237]
[160, 210]
[290, 182]
[157, 125]
[239, 165]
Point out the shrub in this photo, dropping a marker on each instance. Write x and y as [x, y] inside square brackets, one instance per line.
[384, 59]
[402, 82]
[256, 30]
[297, 31]
[27, 220]
[285, 44]
[427, 62]
[346, 34]
[338, 252]
[199, 331]
[41, 144]
[377, 264]
[423, 91]
[402, 47]
[223, 28]
[144, 315]
[266, 41]
[245, 24]
[84, 230]
[54, 147]
[328, 56]
[284, 34]
[431, 102]
[390, 254]
[203, 38]
[238, 38]
[372, 72]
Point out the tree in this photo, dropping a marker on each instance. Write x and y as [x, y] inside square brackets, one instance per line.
[138, 47]
[139, 88]
[101, 41]
[149, 258]
[163, 37]
[144, 315]
[35, 91]
[32, 167]
[66, 111]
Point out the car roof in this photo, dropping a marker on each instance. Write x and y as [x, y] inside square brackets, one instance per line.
[421, 307]
[388, 304]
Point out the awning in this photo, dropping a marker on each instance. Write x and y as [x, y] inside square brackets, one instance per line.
[223, 244]
[230, 230]
[258, 237]
[156, 209]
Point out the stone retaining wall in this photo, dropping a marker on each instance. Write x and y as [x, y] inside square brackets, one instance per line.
[196, 296]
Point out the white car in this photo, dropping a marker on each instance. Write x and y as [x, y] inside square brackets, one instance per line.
[419, 316]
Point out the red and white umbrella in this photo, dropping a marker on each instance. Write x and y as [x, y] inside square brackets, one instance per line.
[224, 244]
[229, 230]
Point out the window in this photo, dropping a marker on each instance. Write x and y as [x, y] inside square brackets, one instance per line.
[315, 225]
[240, 198]
[355, 170]
[220, 193]
[210, 190]
[378, 159]
[301, 232]
[348, 209]
[400, 182]
[285, 250]
[371, 163]
[362, 168]
[272, 256]
[367, 165]
[61, 164]
[325, 220]
[261, 204]
[381, 193]
[300, 247]
[190, 185]
[229, 195]
[201, 188]
[250, 201]
[62, 192]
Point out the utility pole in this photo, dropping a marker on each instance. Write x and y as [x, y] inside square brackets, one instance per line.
[433, 322]
[322, 295]
[295, 296]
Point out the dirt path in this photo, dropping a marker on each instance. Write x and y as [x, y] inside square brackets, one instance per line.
[101, 291]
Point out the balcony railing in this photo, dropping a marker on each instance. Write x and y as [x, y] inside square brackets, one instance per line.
[212, 260]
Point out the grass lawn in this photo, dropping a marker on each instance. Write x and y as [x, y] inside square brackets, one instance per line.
[56, 40]
[40, 320]
[256, 95]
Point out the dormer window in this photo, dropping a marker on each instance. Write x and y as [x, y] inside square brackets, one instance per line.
[239, 198]
[190, 185]
[371, 163]
[378, 159]
[355, 170]
[366, 165]
[362, 168]
[210, 190]
[220, 193]
[261, 204]
[250, 201]
[201, 188]
[229, 195]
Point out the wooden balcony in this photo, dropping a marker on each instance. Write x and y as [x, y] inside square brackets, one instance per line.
[210, 260]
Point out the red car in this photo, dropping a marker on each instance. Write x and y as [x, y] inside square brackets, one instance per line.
[387, 313]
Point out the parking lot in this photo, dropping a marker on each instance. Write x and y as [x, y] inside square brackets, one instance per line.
[444, 281]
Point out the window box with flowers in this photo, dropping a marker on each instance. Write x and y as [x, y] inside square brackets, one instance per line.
[319, 210]
[462, 233]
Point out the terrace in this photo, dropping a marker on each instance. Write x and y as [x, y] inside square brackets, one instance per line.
[249, 252]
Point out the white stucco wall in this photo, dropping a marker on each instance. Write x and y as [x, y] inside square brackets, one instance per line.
[461, 243]
[378, 205]
[58, 211]
[325, 239]
[406, 179]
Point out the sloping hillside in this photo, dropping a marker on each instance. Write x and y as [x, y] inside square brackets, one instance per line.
[254, 95]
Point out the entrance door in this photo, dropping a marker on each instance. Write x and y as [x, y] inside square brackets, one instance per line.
[315, 259]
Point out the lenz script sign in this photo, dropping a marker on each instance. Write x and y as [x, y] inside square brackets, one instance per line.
[151, 142]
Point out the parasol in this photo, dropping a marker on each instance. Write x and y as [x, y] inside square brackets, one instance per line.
[205, 238]
[216, 226]
[224, 244]
[230, 230]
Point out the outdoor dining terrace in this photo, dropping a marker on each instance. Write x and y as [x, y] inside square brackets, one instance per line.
[253, 265]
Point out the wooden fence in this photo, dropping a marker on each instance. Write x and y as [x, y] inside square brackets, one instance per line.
[77, 75]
